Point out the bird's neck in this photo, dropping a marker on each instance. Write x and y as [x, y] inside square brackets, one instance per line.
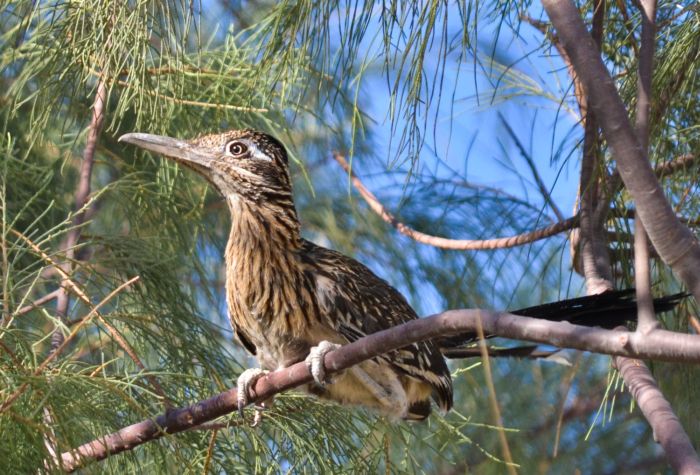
[262, 229]
[262, 265]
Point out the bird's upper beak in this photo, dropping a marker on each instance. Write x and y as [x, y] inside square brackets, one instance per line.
[184, 152]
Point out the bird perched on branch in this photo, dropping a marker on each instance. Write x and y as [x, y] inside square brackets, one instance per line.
[290, 300]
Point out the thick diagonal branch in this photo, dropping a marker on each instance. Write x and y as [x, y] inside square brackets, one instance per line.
[658, 345]
[674, 242]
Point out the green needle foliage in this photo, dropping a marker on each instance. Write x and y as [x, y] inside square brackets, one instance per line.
[309, 72]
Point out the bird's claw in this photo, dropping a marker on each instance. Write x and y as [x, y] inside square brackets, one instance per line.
[315, 361]
[244, 383]
[259, 410]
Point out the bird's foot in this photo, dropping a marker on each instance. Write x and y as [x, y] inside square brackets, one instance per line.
[245, 381]
[315, 361]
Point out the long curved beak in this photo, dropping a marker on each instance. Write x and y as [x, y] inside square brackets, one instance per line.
[181, 151]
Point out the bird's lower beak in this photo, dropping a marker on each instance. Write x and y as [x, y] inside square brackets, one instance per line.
[179, 150]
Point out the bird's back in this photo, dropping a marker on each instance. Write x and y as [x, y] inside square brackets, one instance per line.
[355, 302]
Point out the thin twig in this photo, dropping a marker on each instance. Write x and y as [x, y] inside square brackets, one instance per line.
[561, 411]
[455, 244]
[546, 30]
[546, 195]
[582, 405]
[694, 323]
[7, 403]
[37, 303]
[4, 320]
[682, 162]
[493, 399]
[11, 354]
[657, 345]
[210, 451]
[82, 295]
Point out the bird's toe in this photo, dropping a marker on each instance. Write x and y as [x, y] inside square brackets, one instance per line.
[315, 361]
[245, 381]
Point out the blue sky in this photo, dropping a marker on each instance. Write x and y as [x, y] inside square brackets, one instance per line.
[467, 132]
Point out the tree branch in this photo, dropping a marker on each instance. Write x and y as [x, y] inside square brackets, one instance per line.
[82, 194]
[668, 430]
[646, 316]
[658, 345]
[674, 242]
[595, 260]
[37, 303]
[454, 244]
[683, 162]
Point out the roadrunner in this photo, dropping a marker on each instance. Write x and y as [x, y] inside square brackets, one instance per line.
[290, 300]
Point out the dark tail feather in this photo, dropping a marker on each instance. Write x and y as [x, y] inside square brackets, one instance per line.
[607, 310]
[525, 352]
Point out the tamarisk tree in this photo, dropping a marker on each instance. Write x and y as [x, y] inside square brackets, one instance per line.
[480, 156]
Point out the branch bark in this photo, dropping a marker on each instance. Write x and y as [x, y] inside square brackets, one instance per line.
[595, 260]
[646, 317]
[674, 242]
[668, 430]
[82, 194]
[659, 345]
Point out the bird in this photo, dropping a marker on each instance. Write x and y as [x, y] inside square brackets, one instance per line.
[291, 300]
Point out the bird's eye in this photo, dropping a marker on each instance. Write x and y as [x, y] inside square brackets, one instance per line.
[236, 148]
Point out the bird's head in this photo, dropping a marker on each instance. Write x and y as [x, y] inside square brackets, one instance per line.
[241, 164]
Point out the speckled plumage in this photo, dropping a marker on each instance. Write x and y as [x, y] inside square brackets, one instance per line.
[286, 294]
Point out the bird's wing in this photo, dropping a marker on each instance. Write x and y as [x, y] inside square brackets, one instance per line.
[359, 303]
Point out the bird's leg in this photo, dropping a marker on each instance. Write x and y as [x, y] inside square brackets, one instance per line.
[315, 361]
[245, 381]
[390, 395]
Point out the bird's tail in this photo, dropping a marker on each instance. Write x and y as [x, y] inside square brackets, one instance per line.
[607, 310]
